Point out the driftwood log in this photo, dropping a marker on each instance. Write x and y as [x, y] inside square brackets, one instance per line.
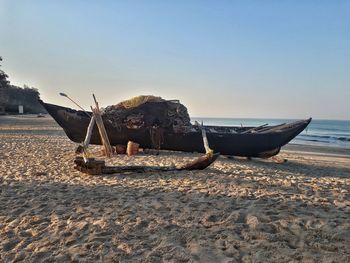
[95, 167]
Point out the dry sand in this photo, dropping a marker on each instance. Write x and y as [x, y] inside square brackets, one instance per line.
[234, 211]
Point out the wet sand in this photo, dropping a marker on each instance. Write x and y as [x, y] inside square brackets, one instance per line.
[234, 211]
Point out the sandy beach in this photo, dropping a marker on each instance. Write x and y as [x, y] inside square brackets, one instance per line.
[237, 210]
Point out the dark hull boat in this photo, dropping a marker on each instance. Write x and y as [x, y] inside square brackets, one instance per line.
[263, 141]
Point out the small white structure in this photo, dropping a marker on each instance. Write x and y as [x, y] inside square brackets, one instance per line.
[20, 109]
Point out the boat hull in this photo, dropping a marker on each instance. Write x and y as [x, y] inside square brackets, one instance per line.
[264, 144]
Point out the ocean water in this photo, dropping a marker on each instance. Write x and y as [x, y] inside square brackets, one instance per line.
[334, 133]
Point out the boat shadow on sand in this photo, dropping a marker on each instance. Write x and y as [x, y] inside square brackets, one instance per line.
[294, 166]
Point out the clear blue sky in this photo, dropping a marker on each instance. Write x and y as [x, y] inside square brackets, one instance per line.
[273, 59]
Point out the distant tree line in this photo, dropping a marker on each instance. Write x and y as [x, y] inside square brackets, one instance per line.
[11, 96]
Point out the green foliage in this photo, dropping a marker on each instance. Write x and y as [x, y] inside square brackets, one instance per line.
[11, 96]
[3, 77]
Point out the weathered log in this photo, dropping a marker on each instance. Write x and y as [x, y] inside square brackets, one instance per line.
[89, 165]
[93, 166]
[199, 163]
[137, 169]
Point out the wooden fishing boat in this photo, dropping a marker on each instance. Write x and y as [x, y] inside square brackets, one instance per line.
[263, 141]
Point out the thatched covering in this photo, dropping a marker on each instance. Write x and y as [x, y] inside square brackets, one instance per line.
[147, 112]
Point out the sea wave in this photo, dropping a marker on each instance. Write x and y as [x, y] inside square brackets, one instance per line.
[323, 138]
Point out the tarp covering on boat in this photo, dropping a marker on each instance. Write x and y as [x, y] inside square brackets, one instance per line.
[138, 100]
[147, 112]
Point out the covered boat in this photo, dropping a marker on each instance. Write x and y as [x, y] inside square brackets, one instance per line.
[150, 131]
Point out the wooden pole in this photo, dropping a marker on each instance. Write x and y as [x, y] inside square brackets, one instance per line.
[89, 132]
[255, 128]
[101, 128]
[205, 141]
[83, 148]
[65, 95]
